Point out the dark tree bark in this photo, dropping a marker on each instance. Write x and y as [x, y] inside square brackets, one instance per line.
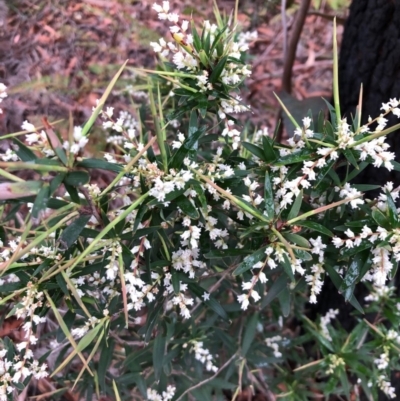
[370, 55]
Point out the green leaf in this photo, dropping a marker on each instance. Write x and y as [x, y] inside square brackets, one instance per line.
[218, 38]
[323, 172]
[255, 150]
[287, 267]
[355, 172]
[297, 157]
[303, 255]
[350, 157]
[393, 214]
[41, 200]
[312, 225]
[277, 287]
[152, 319]
[23, 152]
[250, 261]
[380, 218]
[16, 190]
[158, 355]
[86, 128]
[365, 187]
[206, 41]
[345, 382]
[249, 333]
[297, 239]
[188, 145]
[196, 37]
[73, 193]
[217, 70]
[284, 301]
[269, 197]
[106, 355]
[352, 275]
[226, 253]
[212, 303]
[347, 252]
[56, 182]
[100, 164]
[176, 283]
[200, 194]
[337, 281]
[77, 178]
[187, 207]
[168, 198]
[204, 58]
[269, 151]
[294, 211]
[72, 232]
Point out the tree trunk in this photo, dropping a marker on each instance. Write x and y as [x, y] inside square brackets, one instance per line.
[370, 55]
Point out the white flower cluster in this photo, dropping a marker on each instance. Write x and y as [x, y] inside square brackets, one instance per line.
[333, 361]
[383, 361]
[186, 260]
[217, 235]
[273, 342]
[138, 290]
[185, 55]
[187, 58]
[253, 197]
[16, 371]
[37, 139]
[3, 94]
[126, 125]
[326, 320]
[79, 332]
[167, 395]
[177, 144]
[386, 387]
[300, 136]
[203, 355]
[344, 135]
[275, 254]
[350, 193]
[23, 365]
[377, 150]
[315, 281]
[382, 254]
[379, 294]
[382, 199]
[79, 141]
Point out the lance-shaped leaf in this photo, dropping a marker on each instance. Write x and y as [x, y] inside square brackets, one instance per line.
[294, 211]
[249, 333]
[102, 101]
[189, 144]
[55, 141]
[268, 197]
[100, 164]
[41, 200]
[72, 232]
[250, 261]
[15, 190]
[217, 71]
[255, 150]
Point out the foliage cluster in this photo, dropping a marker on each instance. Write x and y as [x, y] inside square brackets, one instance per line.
[189, 275]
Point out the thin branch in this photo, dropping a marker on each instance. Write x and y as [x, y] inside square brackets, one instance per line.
[208, 379]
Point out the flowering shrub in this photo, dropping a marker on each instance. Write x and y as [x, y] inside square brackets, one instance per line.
[182, 277]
